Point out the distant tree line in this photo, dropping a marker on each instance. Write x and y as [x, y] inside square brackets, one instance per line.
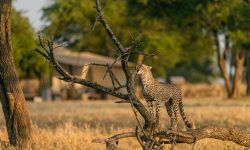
[28, 63]
[199, 40]
[187, 33]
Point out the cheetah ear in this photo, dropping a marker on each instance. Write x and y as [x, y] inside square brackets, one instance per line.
[150, 67]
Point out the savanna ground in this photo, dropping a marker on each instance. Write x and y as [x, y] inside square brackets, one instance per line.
[72, 125]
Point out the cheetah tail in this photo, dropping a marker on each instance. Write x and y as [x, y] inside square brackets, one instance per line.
[183, 115]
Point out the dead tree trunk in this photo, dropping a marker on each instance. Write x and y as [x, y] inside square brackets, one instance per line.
[236, 135]
[11, 95]
[239, 63]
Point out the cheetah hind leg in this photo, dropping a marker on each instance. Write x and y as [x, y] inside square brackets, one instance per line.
[175, 123]
[171, 110]
[150, 108]
[157, 112]
[151, 112]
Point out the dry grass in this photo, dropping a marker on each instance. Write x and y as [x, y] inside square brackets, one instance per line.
[72, 125]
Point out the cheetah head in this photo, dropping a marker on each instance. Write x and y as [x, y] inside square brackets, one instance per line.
[141, 69]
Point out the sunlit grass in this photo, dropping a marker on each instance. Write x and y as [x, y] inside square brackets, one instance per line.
[72, 125]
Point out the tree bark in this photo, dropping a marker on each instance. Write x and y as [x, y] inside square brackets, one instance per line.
[239, 59]
[221, 58]
[13, 102]
[236, 135]
[248, 74]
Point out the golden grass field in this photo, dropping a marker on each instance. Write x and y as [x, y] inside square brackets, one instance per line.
[72, 125]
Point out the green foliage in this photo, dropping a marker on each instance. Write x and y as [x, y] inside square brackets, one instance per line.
[180, 30]
[73, 21]
[173, 29]
[229, 17]
[169, 46]
[239, 29]
[27, 62]
[214, 13]
[194, 71]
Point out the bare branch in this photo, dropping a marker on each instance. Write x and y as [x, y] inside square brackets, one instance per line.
[119, 58]
[136, 116]
[125, 101]
[95, 86]
[111, 74]
[125, 53]
[115, 137]
[120, 87]
[138, 137]
[47, 46]
[152, 55]
[69, 78]
[61, 45]
[41, 41]
[93, 28]
[104, 22]
[42, 53]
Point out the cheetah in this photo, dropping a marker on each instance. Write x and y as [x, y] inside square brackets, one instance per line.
[168, 93]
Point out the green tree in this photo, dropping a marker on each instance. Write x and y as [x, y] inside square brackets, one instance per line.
[73, 20]
[27, 62]
[240, 36]
[201, 24]
[170, 30]
[228, 19]
[185, 32]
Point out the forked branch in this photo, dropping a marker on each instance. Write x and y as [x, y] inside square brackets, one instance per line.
[124, 57]
[104, 22]
[47, 50]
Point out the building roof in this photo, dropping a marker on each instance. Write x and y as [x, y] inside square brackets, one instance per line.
[66, 56]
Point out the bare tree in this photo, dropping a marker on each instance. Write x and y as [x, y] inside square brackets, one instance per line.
[149, 136]
[11, 95]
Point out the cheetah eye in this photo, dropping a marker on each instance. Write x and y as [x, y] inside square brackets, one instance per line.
[138, 67]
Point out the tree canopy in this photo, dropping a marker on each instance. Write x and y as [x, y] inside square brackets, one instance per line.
[73, 20]
[27, 62]
[181, 30]
[134, 22]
